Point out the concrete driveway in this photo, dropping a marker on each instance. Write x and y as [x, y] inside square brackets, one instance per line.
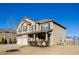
[30, 50]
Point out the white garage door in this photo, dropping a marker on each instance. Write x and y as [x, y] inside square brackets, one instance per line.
[19, 41]
[22, 41]
[25, 41]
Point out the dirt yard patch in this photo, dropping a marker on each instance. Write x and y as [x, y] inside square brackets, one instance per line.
[30, 50]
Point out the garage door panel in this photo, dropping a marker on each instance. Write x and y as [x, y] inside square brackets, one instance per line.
[25, 41]
[19, 41]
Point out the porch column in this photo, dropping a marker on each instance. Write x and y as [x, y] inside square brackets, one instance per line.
[28, 26]
[34, 37]
[31, 39]
[37, 38]
[46, 36]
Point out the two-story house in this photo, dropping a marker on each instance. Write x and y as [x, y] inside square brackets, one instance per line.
[29, 30]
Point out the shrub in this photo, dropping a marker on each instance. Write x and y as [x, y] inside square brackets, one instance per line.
[47, 43]
[0, 42]
[3, 40]
[15, 40]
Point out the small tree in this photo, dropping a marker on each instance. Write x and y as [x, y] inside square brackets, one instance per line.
[10, 41]
[74, 38]
[3, 40]
[0, 42]
[78, 38]
[47, 42]
[15, 40]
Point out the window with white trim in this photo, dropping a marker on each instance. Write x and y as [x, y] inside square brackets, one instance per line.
[33, 27]
[24, 28]
[20, 29]
[45, 26]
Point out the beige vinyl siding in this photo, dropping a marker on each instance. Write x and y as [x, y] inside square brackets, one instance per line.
[1, 34]
[51, 36]
[58, 34]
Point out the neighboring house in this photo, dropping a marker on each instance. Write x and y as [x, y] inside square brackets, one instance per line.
[72, 40]
[69, 38]
[37, 32]
[7, 36]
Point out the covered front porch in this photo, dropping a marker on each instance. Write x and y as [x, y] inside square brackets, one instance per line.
[39, 39]
[35, 38]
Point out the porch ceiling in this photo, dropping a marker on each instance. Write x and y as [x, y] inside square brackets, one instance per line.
[35, 32]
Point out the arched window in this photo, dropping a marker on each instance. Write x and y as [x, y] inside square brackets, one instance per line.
[24, 28]
[20, 29]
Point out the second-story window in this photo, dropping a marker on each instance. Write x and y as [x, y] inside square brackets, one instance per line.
[24, 28]
[45, 26]
[33, 27]
[20, 29]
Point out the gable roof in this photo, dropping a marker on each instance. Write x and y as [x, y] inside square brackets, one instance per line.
[59, 24]
[26, 17]
[50, 20]
[45, 20]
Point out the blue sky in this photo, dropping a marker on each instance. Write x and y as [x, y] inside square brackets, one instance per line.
[65, 14]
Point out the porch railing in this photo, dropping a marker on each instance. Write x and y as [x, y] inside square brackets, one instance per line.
[39, 43]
